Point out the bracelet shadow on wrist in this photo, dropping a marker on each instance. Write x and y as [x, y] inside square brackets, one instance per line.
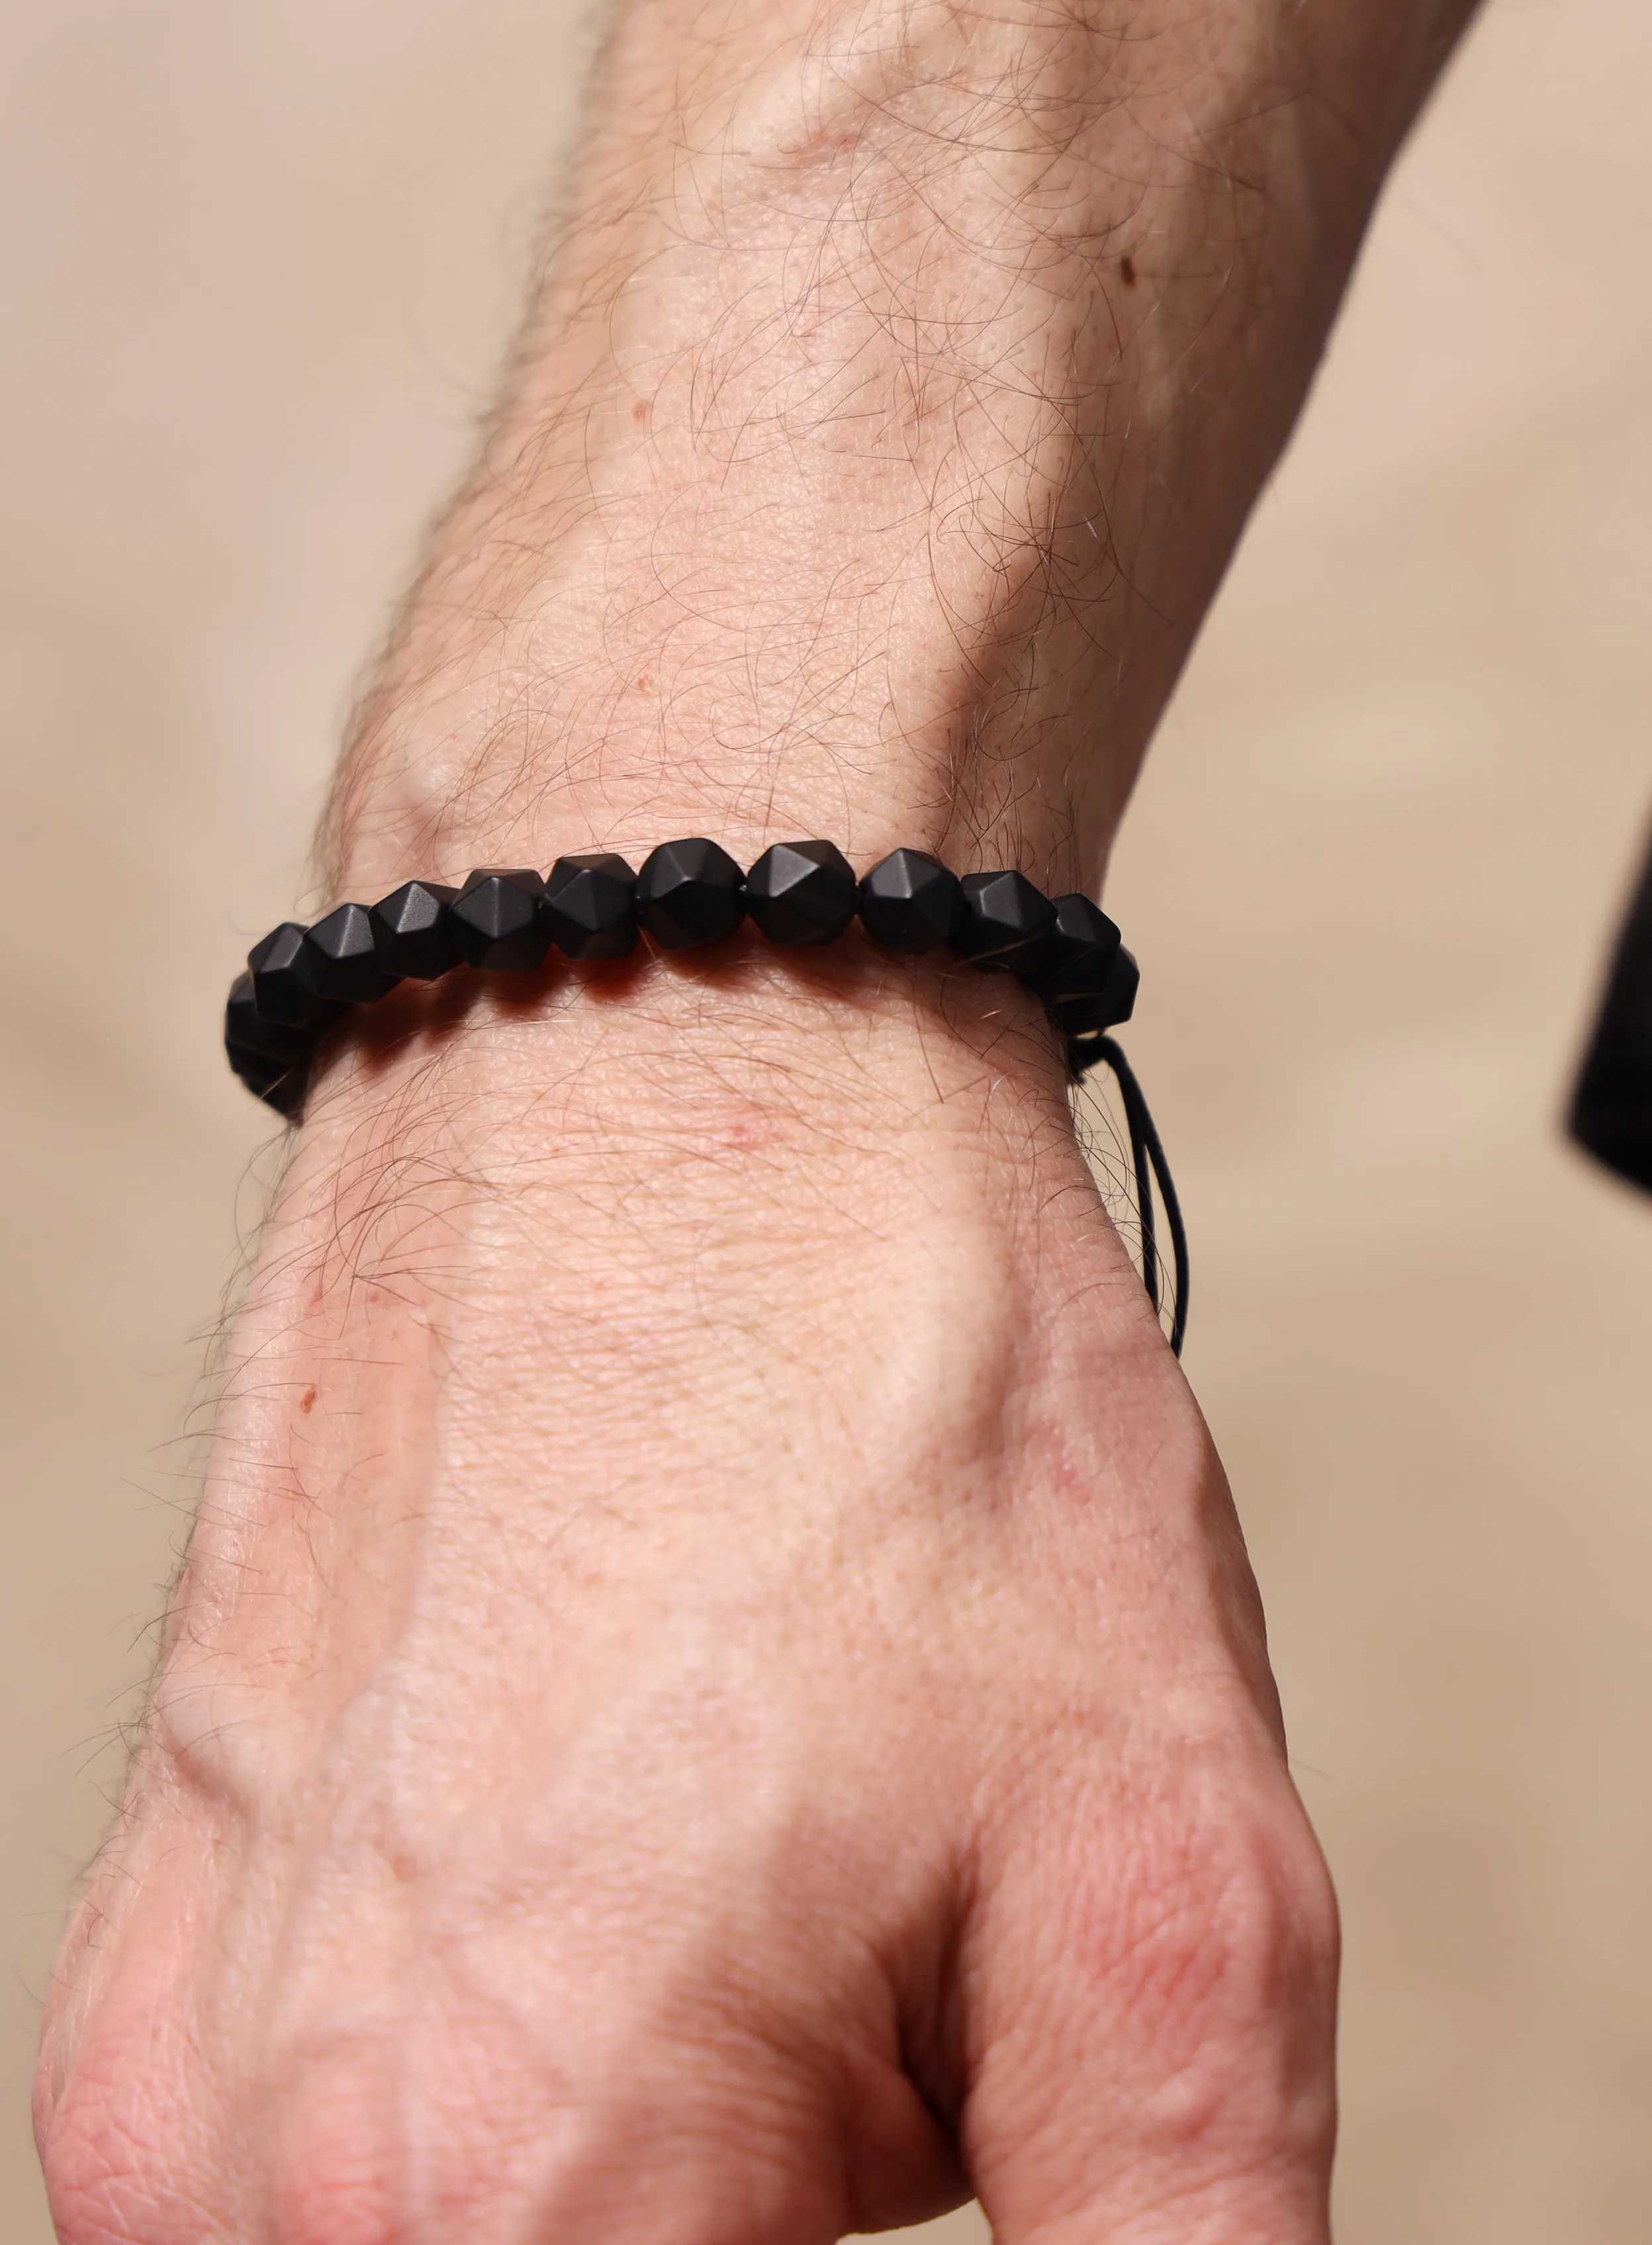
[688, 906]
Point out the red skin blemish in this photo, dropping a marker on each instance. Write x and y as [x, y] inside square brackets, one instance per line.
[307, 1403]
[744, 1131]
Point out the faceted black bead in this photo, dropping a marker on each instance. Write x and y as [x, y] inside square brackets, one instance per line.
[1078, 960]
[801, 893]
[282, 1088]
[1008, 923]
[1118, 999]
[412, 932]
[909, 902]
[348, 969]
[246, 1031]
[255, 1071]
[1110, 1006]
[285, 976]
[496, 921]
[690, 892]
[272, 1061]
[287, 1094]
[590, 905]
[272, 1081]
[1611, 1113]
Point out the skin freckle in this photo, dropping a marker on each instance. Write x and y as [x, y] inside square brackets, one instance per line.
[1127, 272]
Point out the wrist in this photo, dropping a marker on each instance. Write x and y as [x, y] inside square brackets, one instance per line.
[674, 1130]
[805, 1053]
[544, 1263]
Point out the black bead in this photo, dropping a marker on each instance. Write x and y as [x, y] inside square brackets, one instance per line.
[257, 1073]
[412, 932]
[689, 892]
[1110, 1006]
[287, 1094]
[264, 1077]
[285, 976]
[910, 903]
[496, 921]
[272, 1061]
[590, 905]
[1008, 923]
[1611, 1113]
[348, 971]
[801, 893]
[1078, 957]
[246, 1031]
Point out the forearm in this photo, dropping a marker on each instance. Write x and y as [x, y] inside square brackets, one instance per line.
[884, 424]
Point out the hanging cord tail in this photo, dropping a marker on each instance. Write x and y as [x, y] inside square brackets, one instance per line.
[1138, 1122]
[1147, 1160]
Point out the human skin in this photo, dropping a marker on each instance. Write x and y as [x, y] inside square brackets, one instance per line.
[716, 1696]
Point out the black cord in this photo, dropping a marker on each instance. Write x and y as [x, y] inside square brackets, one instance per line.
[1147, 1160]
[1134, 1110]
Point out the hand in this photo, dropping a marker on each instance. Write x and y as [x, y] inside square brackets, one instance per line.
[717, 1690]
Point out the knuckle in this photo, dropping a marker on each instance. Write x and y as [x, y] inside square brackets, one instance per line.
[1232, 1913]
[1227, 1951]
[1171, 1932]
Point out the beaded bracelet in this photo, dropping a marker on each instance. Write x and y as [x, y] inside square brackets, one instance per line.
[800, 895]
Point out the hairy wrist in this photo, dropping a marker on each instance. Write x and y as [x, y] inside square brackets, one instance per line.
[586, 1273]
[880, 433]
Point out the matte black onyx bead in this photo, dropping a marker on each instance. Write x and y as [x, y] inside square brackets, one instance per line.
[285, 976]
[284, 1090]
[253, 1070]
[496, 920]
[282, 1087]
[288, 1094]
[690, 892]
[272, 1061]
[246, 1031]
[1611, 1106]
[1110, 1006]
[801, 893]
[1008, 923]
[590, 906]
[1078, 957]
[412, 932]
[1118, 1001]
[910, 903]
[348, 970]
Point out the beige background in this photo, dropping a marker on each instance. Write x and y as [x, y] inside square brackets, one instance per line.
[259, 263]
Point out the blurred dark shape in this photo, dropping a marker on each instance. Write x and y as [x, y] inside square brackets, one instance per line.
[1611, 1106]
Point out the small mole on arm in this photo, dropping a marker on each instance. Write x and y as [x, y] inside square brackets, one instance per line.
[307, 1402]
[1127, 272]
[639, 411]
